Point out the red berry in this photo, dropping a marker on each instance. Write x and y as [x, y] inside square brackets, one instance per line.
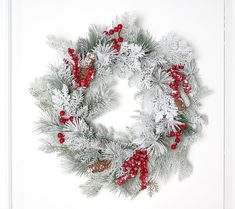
[61, 140]
[125, 163]
[181, 67]
[90, 72]
[128, 177]
[74, 57]
[174, 87]
[187, 90]
[136, 157]
[114, 40]
[71, 118]
[62, 120]
[116, 29]
[116, 46]
[70, 51]
[76, 80]
[123, 181]
[175, 67]
[180, 77]
[76, 74]
[111, 32]
[138, 151]
[178, 133]
[60, 135]
[120, 39]
[145, 170]
[120, 26]
[141, 176]
[176, 94]
[62, 113]
[132, 160]
[173, 146]
[143, 163]
[177, 140]
[177, 78]
[182, 127]
[106, 32]
[75, 67]
[172, 133]
[185, 84]
[82, 83]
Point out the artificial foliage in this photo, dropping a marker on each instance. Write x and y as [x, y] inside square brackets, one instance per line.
[80, 88]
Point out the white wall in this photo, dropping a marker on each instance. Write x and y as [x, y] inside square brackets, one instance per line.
[5, 177]
[38, 180]
[230, 102]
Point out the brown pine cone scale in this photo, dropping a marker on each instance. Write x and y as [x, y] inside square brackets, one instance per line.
[99, 166]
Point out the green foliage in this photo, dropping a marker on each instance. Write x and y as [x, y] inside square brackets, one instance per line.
[152, 188]
[95, 36]
[94, 184]
[146, 41]
[100, 98]
[189, 130]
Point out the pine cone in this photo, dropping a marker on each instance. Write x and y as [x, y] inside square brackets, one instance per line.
[180, 104]
[83, 73]
[99, 166]
[89, 59]
[88, 63]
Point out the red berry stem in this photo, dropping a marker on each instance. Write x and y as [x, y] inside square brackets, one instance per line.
[138, 162]
[178, 134]
[63, 120]
[117, 29]
[75, 65]
[178, 79]
[77, 81]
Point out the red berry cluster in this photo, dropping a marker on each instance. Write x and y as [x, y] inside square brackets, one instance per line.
[76, 71]
[61, 138]
[137, 162]
[63, 120]
[117, 40]
[177, 134]
[178, 78]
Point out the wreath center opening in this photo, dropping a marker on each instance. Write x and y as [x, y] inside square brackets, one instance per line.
[120, 116]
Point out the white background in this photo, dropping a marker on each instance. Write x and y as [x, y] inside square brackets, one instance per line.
[38, 181]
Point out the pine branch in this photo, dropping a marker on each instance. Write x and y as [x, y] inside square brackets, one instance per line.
[94, 184]
[152, 188]
[146, 41]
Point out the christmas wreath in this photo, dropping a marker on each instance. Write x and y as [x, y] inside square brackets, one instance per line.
[79, 89]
